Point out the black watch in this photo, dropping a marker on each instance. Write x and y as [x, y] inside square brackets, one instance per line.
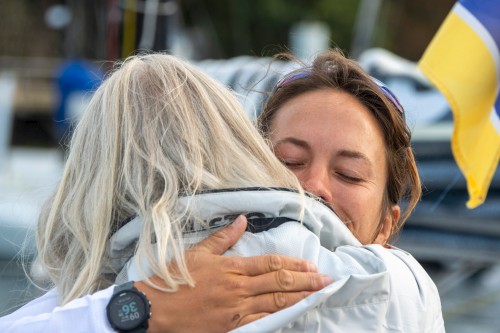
[128, 309]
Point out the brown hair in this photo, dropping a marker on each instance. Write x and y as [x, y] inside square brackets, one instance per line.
[331, 69]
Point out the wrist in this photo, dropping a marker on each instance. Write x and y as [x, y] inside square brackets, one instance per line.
[160, 322]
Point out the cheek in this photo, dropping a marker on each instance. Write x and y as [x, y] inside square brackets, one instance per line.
[301, 174]
[357, 207]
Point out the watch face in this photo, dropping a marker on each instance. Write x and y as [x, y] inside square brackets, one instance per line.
[127, 310]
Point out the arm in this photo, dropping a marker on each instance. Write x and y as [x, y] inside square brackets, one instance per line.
[43, 315]
[229, 292]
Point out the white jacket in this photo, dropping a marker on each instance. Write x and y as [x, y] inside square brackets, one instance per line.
[374, 290]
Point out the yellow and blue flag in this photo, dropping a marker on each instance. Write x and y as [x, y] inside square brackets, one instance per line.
[463, 62]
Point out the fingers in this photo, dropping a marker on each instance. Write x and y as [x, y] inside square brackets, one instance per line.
[254, 266]
[287, 281]
[270, 303]
[251, 308]
[220, 241]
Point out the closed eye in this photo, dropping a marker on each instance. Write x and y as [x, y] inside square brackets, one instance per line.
[292, 164]
[350, 179]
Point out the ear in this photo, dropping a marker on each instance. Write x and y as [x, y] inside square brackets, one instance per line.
[389, 224]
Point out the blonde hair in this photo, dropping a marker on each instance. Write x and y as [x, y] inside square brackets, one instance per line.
[156, 129]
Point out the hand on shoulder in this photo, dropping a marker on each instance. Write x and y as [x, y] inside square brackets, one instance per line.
[230, 291]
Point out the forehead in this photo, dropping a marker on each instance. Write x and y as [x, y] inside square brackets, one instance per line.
[330, 119]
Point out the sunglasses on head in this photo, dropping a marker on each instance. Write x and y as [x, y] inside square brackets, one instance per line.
[308, 72]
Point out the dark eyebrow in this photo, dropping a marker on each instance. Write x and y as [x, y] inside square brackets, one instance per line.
[354, 154]
[294, 141]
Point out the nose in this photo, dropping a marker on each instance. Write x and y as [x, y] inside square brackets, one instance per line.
[317, 181]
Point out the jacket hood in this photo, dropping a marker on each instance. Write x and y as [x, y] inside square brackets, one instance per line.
[265, 208]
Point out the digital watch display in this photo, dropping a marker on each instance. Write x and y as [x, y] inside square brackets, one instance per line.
[128, 309]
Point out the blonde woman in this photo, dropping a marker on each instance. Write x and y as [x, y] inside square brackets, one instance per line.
[157, 130]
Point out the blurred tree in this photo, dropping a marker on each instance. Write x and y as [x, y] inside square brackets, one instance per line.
[226, 28]
[215, 28]
[261, 27]
[407, 26]
[85, 37]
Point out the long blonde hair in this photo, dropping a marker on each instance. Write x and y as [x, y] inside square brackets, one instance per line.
[157, 128]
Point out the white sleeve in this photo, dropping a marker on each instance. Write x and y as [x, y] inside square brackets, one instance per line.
[43, 315]
[374, 290]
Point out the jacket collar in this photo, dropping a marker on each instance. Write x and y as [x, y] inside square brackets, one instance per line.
[264, 207]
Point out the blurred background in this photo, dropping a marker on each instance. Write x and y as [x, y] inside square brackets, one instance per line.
[53, 54]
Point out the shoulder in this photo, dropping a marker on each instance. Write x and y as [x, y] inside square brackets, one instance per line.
[399, 262]
[410, 289]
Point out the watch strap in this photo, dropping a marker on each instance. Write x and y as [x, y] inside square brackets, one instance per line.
[125, 286]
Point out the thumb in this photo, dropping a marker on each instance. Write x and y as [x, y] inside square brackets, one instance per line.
[220, 241]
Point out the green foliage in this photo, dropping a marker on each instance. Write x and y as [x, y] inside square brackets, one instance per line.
[261, 27]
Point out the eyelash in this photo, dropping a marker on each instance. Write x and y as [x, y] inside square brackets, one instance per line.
[291, 164]
[350, 179]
